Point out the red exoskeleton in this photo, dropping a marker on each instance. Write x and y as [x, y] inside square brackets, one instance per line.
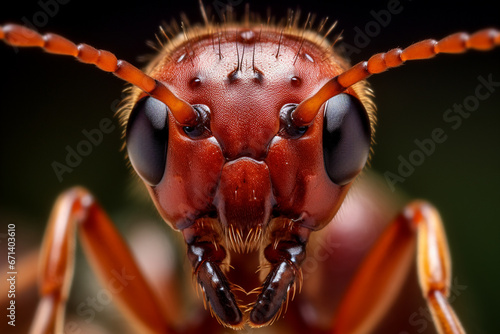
[214, 129]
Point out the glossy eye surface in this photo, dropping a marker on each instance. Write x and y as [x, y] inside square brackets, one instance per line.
[147, 139]
[346, 138]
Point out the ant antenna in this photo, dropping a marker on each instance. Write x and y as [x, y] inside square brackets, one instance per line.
[457, 43]
[20, 36]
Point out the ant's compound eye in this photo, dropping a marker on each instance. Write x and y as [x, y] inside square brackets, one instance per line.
[147, 139]
[346, 138]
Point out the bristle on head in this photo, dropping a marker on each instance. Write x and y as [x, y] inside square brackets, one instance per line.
[240, 243]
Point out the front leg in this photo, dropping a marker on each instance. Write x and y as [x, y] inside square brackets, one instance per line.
[109, 256]
[384, 270]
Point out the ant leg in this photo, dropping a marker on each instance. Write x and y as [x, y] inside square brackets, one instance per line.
[434, 268]
[109, 256]
[384, 270]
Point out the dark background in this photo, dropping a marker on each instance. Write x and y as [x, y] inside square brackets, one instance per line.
[46, 101]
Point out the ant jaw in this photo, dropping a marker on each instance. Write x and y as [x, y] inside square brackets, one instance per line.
[284, 254]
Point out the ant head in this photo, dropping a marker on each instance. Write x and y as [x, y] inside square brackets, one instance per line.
[245, 161]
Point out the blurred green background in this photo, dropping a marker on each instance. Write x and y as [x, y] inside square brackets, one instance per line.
[46, 101]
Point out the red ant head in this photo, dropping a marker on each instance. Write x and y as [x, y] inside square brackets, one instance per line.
[245, 161]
